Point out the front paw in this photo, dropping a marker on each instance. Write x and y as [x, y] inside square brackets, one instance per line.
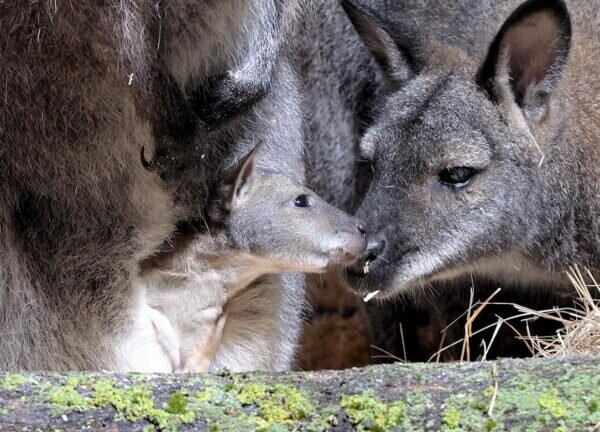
[223, 97]
[202, 348]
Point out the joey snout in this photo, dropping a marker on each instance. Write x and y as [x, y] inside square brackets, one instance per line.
[351, 242]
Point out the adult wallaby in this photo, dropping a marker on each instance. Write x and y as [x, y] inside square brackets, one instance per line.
[203, 294]
[484, 165]
[85, 88]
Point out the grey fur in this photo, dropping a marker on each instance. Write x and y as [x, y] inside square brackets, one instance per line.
[84, 89]
[533, 206]
[339, 83]
[220, 305]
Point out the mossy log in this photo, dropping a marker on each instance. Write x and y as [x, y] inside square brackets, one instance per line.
[510, 395]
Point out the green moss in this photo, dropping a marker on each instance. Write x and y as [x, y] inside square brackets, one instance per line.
[222, 411]
[551, 402]
[563, 400]
[451, 418]
[177, 404]
[264, 407]
[277, 404]
[13, 381]
[67, 398]
[78, 379]
[367, 412]
[419, 404]
[64, 397]
[490, 425]
[204, 396]
[131, 403]
[489, 392]
[567, 404]
[134, 403]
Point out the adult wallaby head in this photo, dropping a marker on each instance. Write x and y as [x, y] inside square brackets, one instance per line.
[272, 216]
[486, 165]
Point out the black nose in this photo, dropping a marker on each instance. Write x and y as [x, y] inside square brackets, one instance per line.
[375, 246]
[362, 228]
[373, 253]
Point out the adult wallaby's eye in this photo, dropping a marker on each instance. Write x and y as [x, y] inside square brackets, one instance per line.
[301, 201]
[457, 177]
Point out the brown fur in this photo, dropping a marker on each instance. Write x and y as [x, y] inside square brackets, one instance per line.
[84, 88]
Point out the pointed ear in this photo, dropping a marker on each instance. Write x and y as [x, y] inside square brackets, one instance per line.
[241, 176]
[387, 45]
[527, 58]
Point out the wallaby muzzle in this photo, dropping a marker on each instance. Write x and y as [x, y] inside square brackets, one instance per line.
[353, 243]
[375, 247]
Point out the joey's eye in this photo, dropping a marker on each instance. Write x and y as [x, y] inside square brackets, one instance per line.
[301, 201]
[457, 177]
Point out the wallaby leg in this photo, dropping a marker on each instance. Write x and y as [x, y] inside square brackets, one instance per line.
[166, 337]
[200, 349]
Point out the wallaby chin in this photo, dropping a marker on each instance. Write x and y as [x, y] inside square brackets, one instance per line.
[511, 269]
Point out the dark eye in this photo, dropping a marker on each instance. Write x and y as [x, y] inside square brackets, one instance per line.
[301, 201]
[457, 177]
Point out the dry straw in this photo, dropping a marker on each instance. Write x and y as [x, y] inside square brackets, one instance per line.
[581, 332]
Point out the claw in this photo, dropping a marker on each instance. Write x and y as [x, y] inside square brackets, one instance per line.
[145, 163]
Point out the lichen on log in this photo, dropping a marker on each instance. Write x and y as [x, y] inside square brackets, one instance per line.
[508, 395]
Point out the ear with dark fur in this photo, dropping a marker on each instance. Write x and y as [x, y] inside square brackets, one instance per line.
[527, 58]
[388, 44]
[241, 176]
[222, 98]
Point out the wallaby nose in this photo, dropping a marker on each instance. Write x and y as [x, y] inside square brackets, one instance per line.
[375, 246]
[362, 228]
[351, 243]
[373, 254]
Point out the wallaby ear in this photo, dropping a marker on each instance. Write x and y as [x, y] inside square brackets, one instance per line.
[384, 42]
[526, 59]
[241, 176]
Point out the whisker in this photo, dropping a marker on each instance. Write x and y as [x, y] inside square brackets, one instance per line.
[381, 258]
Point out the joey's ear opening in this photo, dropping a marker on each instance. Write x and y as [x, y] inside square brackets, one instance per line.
[388, 45]
[527, 58]
[241, 176]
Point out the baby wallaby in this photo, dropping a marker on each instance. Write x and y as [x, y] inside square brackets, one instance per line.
[275, 226]
[484, 164]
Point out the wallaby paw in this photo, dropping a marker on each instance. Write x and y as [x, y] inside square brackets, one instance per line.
[207, 344]
[208, 317]
[166, 336]
[224, 97]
